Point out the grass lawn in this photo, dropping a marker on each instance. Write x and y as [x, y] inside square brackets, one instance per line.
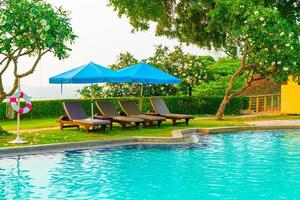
[29, 124]
[73, 135]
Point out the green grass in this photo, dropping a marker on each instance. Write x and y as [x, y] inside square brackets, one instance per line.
[73, 135]
[29, 124]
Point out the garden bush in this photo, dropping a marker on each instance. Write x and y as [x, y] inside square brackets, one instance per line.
[196, 105]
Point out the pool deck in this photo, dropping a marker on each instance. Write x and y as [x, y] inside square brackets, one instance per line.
[181, 136]
[275, 123]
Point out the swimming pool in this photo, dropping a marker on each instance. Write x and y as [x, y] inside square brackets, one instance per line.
[245, 165]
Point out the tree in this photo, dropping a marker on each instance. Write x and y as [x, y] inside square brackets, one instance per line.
[219, 73]
[30, 29]
[91, 91]
[191, 69]
[127, 89]
[262, 34]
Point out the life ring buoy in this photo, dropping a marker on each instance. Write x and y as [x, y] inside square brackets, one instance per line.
[14, 104]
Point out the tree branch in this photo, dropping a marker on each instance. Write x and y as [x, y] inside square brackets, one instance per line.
[3, 59]
[14, 88]
[5, 67]
[1, 88]
[39, 56]
[239, 91]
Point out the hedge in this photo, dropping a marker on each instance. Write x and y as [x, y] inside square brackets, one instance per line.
[196, 105]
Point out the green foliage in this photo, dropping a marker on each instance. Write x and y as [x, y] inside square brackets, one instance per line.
[127, 89]
[33, 25]
[91, 91]
[187, 105]
[268, 28]
[30, 28]
[191, 69]
[219, 74]
[263, 35]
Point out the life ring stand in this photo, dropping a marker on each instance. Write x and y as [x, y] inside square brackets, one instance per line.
[15, 106]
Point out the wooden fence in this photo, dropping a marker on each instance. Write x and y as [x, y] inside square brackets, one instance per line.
[264, 103]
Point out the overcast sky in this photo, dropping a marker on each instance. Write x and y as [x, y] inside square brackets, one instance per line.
[102, 35]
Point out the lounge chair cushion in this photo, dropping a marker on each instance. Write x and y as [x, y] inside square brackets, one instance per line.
[74, 110]
[128, 119]
[160, 106]
[150, 117]
[130, 108]
[93, 121]
[107, 108]
[177, 116]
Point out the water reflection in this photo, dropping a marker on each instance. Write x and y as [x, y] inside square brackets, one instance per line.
[247, 165]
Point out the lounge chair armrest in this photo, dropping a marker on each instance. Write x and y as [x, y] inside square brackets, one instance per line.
[98, 114]
[63, 118]
[152, 114]
[122, 113]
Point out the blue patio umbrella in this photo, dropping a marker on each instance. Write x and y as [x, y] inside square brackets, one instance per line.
[144, 73]
[89, 73]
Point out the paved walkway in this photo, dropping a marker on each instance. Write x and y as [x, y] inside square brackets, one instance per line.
[275, 123]
[36, 130]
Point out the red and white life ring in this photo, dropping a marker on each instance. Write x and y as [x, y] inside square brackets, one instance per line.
[14, 104]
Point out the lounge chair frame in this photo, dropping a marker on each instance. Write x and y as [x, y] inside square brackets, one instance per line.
[66, 122]
[169, 115]
[148, 120]
[118, 119]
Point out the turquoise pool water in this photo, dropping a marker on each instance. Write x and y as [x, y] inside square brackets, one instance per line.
[246, 165]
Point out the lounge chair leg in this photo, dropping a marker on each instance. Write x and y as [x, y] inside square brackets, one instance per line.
[187, 121]
[87, 128]
[137, 124]
[174, 121]
[61, 125]
[159, 123]
[123, 126]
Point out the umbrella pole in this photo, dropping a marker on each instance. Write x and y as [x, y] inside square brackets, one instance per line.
[141, 97]
[92, 102]
[61, 88]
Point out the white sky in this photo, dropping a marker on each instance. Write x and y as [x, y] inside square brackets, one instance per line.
[102, 35]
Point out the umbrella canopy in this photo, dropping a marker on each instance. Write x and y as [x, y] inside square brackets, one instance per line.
[89, 73]
[147, 74]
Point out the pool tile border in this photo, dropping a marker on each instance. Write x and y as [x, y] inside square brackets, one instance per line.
[180, 136]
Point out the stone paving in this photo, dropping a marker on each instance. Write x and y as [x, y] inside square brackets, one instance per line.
[275, 123]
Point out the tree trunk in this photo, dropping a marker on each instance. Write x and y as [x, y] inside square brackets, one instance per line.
[227, 96]
[190, 90]
[2, 97]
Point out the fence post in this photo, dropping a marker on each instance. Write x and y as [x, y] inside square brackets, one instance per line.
[272, 103]
[265, 103]
[278, 103]
[249, 106]
[257, 104]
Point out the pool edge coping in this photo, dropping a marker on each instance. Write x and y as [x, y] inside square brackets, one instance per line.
[179, 136]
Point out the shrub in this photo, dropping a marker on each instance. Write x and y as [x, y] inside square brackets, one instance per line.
[196, 105]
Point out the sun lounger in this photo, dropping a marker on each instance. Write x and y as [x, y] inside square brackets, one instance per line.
[160, 107]
[130, 108]
[76, 117]
[107, 110]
